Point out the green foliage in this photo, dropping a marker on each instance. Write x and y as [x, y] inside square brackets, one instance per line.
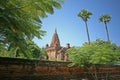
[32, 51]
[105, 18]
[43, 55]
[98, 52]
[20, 20]
[84, 14]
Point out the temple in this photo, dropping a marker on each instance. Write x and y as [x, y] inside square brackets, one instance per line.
[55, 51]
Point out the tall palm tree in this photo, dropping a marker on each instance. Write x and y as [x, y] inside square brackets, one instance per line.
[105, 19]
[85, 15]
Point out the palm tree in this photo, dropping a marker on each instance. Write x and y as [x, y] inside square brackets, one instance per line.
[85, 15]
[105, 19]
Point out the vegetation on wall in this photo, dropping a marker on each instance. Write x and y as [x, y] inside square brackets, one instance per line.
[98, 52]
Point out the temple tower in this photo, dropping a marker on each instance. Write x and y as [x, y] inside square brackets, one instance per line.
[55, 51]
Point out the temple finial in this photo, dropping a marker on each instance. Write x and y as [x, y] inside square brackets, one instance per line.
[55, 30]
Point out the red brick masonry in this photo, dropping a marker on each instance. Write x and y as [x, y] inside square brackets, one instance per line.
[24, 69]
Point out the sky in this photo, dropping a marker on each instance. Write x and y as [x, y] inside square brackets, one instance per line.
[71, 28]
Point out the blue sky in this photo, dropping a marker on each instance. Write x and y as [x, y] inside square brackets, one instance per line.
[71, 29]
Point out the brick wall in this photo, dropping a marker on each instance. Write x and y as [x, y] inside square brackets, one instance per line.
[23, 69]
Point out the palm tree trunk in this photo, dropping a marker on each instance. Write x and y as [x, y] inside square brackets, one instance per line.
[87, 32]
[107, 31]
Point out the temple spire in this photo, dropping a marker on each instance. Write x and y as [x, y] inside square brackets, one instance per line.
[55, 39]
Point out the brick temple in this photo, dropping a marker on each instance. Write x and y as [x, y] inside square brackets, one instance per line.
[55, 51]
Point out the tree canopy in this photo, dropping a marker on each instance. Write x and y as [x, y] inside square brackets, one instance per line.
[84, 14]
[98, 52]
[20, 20]
[105, 18]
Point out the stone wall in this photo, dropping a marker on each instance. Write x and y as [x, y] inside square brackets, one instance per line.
[23, 69]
